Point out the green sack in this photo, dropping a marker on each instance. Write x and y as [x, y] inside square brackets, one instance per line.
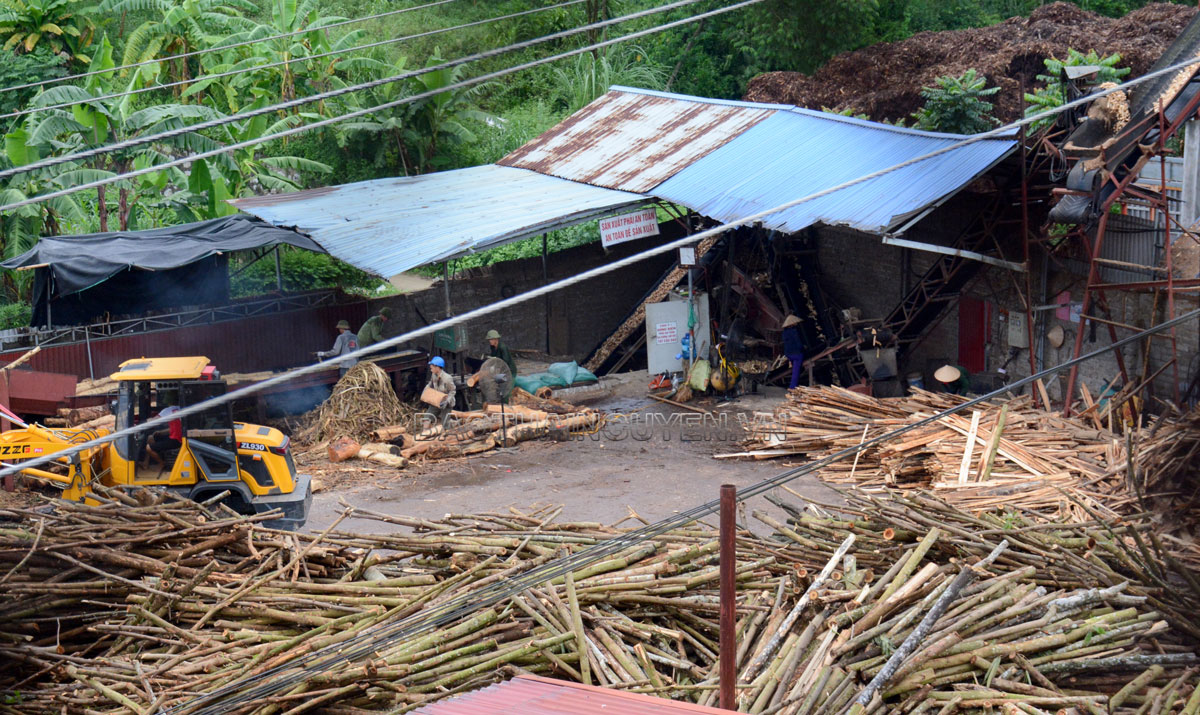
[571, 372]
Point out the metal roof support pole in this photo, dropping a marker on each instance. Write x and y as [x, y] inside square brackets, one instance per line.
[1029, 316]
[728, 625]
[546, 281]
[278, 271]
[446, 285]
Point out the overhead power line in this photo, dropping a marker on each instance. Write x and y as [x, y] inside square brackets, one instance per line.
[1005, 130]
[368, 642]
[285, 675]
[77, 156]
[196, 53]
[294, 61]
[549, 288]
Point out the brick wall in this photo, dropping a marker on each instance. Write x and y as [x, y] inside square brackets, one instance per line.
[575, 319]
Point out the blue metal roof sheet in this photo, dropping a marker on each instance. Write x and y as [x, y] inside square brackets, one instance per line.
[388, 226]
[798, 152]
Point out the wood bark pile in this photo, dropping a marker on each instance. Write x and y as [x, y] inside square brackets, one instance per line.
[906, 604]
[999, 454]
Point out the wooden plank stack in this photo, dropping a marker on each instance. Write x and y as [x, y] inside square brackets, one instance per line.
[905, 604]
[1000, 454]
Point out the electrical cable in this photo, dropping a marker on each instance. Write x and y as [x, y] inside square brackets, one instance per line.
[244, 43]
[413, 625]
[550, 287]
[367, 643]
[333, 93]
[296, 61]
[1011, 127]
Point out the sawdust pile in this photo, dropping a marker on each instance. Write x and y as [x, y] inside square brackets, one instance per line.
[884, 81]
[362, 401]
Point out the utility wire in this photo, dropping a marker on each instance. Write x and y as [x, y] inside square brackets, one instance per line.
[281, 63]
[556, 285]
[367, 643]
[207, 50]
[322, 96]
[429, 619]
[997, 132]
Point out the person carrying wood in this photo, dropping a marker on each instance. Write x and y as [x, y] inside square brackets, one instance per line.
[953, 379]
[371, 331]
[441, 381]
[346, 343]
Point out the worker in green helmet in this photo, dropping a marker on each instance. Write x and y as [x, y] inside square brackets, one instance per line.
[500, 350]
[372, 331]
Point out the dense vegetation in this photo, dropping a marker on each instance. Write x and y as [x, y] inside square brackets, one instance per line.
[48, 39]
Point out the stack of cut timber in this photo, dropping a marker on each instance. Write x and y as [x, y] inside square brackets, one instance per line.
[997, 454]
[480, 431]
[145, 603]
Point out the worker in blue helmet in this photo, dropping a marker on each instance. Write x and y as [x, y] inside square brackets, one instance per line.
[441, 381]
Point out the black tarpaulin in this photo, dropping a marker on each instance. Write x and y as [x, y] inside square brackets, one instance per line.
[79, 262]
[152, 270]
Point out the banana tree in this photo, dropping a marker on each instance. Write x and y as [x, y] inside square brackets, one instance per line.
[64, 25]
[178, 27]
[287, 71]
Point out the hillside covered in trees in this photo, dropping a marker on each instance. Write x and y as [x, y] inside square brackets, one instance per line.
[385, 80]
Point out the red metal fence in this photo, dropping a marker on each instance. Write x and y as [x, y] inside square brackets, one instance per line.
[268, 342]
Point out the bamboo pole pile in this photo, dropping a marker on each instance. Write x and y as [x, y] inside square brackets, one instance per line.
[1167, 478]
[998, 454]
[146, 602]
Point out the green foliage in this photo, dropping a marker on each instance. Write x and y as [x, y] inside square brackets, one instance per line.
[65, 26]
[25, 68]
[581, 80]
[1054, 92]
[301, 270]
[176, 27]
[957, 105]
[560, 240]
[15, 315]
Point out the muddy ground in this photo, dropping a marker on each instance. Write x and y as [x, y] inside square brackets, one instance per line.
[655, 459]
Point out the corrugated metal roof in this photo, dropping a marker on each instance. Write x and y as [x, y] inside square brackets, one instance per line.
[388, 226]
[531, 695]
[633, 140]
[798, 152]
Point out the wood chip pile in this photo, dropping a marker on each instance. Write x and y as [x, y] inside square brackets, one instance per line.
[994, 456]
[909, 604]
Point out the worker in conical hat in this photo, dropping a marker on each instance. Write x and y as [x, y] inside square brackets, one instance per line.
[793, 347]
[953, 379]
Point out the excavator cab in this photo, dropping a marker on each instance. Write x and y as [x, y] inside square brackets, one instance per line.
[204, 454]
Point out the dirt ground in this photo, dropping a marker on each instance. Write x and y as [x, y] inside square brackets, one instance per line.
[653, 458]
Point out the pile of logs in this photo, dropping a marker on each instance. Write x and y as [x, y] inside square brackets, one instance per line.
[999, 454]
[528, 417]
[905, 604]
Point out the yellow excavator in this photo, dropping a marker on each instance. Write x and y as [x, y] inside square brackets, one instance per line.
[199, 456]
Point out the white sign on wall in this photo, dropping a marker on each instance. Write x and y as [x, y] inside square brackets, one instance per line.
[627, 227]
[665, 333]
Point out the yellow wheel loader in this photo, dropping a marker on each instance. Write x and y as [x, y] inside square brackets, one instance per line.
[198, 456]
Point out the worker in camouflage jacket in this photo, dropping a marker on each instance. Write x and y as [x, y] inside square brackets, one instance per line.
[371, 331]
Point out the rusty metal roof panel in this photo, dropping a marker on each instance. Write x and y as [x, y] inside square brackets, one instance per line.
[633, 139]
[388, 226]
[533, 695]
[797, 152]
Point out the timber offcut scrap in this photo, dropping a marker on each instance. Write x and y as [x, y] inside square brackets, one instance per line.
[891, 604]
